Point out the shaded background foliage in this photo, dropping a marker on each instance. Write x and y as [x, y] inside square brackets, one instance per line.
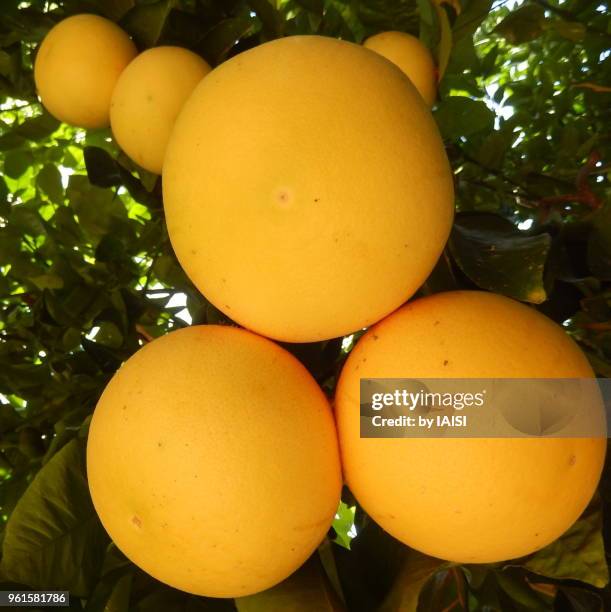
[87, 275]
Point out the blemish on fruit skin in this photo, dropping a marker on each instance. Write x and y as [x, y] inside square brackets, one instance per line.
[436, 323]
[137, 521]
[193, 251]
[572, 460]
[159, 444]
[375, 337]
[124, 406]
[445, 362]
[283, 197]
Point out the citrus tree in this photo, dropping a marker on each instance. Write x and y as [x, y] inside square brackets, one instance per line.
[87, 276]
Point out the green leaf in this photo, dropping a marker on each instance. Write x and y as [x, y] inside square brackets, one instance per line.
[53, 538]
[48, 281]
[571, 30]
[112, 593]
[273, 24]
[109, 335]
[168, 271]
[96, 208]
[343, 524]
[445, 42]
[517, 587]
[414, 574]
[446, 589]
[580, 600]
[102, 169]
[314, 6]
[223, 36]
[27, 220]
[459, 116]
[17, 162]
[308, 589]
[577, 555]
[498, 257]
[114, 9]
[523, 25]
[470, 18]
[49, 181]
[145, 22]
[38, 128]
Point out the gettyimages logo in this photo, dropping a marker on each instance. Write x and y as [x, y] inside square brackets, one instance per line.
[488, 408]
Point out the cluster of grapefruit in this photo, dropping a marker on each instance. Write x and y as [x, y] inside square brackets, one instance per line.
[308, 196]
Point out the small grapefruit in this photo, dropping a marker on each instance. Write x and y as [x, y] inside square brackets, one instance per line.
[147, 99]
[77, 67]
[411, 56]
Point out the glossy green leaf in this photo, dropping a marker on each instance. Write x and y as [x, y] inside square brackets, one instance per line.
[220, 39]
[145, 22]
[496, 256]
[459, 116]
[577, 555]
[53, 538]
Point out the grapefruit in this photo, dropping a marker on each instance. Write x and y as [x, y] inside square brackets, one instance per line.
[213, 462]
[468, 500]
[77, 67]
[147, 99]
[306, 189]
[411, 56]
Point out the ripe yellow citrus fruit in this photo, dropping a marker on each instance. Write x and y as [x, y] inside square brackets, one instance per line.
[306, 188]
[469, 500]
[411, 56]
[147, 99]
[77, 67]
[213, 461]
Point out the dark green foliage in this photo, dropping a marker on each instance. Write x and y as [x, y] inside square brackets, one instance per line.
[87, 275]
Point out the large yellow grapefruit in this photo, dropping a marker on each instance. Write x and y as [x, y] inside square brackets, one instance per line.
[147, 99]
[77, 67]
[411, 56]
[213, 462]
[306, 188]
[467, 500]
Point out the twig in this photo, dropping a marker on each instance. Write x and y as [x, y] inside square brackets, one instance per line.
[140, 329]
